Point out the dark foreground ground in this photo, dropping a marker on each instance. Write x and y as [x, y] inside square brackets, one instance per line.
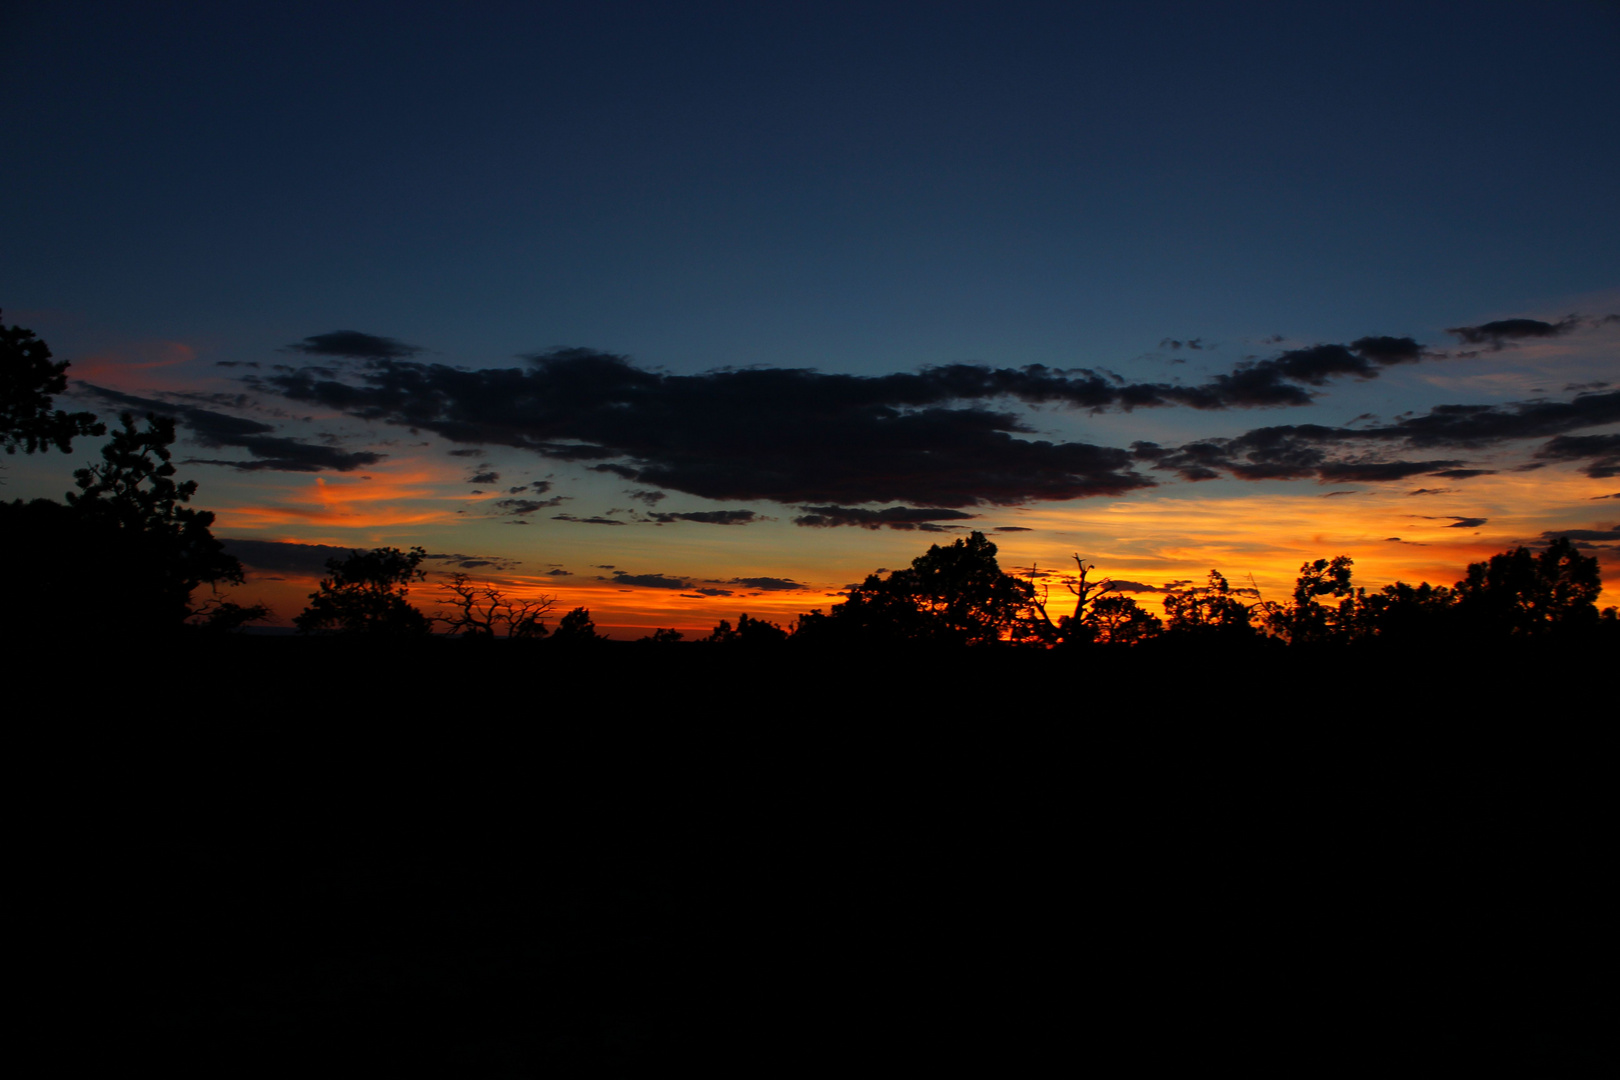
[270, 857]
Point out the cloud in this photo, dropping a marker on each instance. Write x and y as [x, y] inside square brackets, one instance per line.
[926, 438]
[490, 477]
[787, 435]
[218, 430]
[354, 345]
[768, 584]
[649, 581]
[1466, 522]
[1330, 454]
[472, 562]
[895, 517]
[1013, 528]
[801, 436]
[1583, 534]
[1432, 491]
[1601, 452]
[707, 517]
[698, 593]
[651, 498]
[284, 557]
[559, 572]
[1497, 334]
[585, 521]
[1131, 587]
[518, 507]
[1375, 471]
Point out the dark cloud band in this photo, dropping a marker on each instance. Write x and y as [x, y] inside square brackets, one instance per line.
[1340, 454]
[219, 430]
[353, 345]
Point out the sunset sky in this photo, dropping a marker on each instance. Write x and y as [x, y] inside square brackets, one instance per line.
[677, 311]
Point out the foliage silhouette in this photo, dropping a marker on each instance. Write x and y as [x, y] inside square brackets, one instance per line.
[576, 628]
[28, 381]
[1215, 612]
[1308, 620]
[125, 553]
[1522, 594]
[217, 615]
[954, 595]
[366, 595]
[753, 632]
[1120, 620]
[483, 611]
[1398, 612]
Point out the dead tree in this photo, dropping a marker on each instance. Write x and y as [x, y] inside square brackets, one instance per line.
[1068, 627]
[485, 611]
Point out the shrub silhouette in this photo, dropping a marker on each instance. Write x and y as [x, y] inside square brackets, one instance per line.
[576, 628]
[748, 632]
[366, 595]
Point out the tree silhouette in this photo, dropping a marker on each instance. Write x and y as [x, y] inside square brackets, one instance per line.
[1308, 620]
[748, 632]
[1525, 595]
[1079, 627]
[1398, 612]
[220, 616]
[576, 628]
[1120, 620]
[132, 494]
[28, 381]
[485, 611]
[366, 595]
[949, 595]
[1214, 611]
[125, 553]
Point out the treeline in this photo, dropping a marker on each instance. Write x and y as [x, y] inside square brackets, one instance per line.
[957, 595]
[125, 554]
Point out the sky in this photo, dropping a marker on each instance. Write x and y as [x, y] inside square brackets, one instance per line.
[682, 311]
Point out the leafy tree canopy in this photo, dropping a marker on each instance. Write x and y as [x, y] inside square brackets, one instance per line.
[133, 492]
[1523, 593]
[949, 595]
[28, 381]
[576, 627]
[1215, 610]
[749, 631]
[366, 595]
[126, 553]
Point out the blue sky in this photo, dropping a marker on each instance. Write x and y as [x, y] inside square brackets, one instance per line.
[861, 188]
